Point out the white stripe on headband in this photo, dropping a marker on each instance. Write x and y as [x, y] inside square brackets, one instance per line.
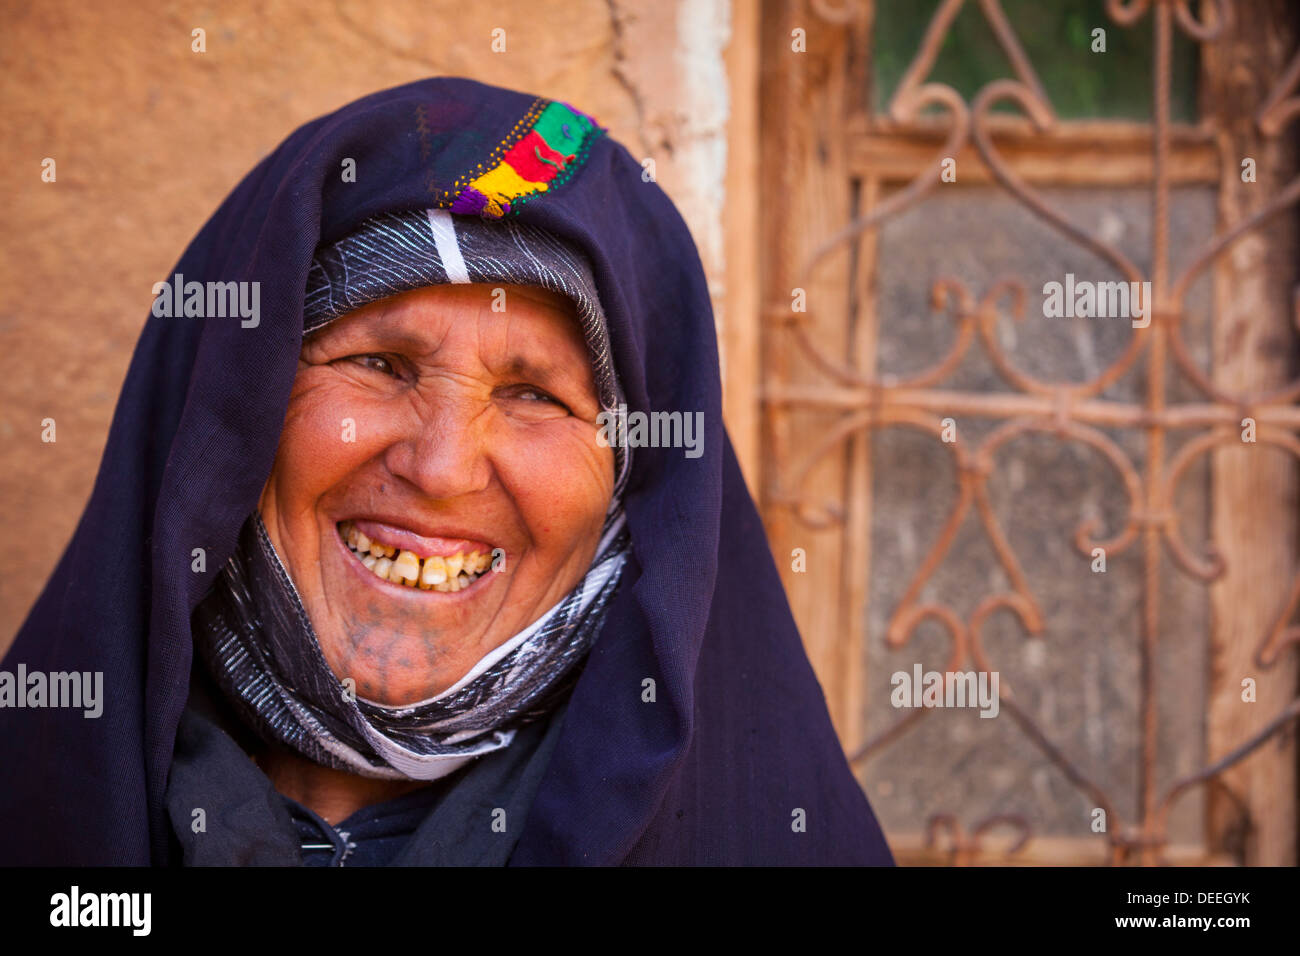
[444, 237]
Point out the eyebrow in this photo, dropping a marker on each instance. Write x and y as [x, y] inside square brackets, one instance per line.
[389, 337]
[543, 373]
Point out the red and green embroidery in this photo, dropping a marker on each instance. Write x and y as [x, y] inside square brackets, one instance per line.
[547, 147]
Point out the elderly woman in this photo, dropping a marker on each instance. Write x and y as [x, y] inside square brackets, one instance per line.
[367, 580]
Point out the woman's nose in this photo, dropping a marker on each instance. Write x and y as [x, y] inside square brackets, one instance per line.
[445, 453]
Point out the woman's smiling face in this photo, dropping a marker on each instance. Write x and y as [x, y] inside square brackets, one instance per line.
[429, 424]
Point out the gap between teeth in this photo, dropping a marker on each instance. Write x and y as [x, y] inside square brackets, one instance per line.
[436, 573]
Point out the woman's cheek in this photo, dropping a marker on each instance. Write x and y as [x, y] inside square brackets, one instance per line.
[325, 428]
[563, 486]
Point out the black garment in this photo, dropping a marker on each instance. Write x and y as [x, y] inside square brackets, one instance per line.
[372, 836]
[473, 817]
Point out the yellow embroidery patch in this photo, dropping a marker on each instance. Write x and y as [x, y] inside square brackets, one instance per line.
[502, 184]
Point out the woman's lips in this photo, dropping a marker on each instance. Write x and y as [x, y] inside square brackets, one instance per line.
[446, 565]
[424, 545]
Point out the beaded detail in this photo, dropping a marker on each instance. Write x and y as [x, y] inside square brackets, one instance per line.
[543, 150]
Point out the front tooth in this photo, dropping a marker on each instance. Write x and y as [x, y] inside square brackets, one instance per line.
[434, 573]
[381, 568]
[454, 564]
[406, 568]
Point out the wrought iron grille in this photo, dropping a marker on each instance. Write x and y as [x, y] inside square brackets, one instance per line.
[1075, 411]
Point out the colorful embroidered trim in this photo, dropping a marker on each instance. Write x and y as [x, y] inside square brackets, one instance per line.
[546, 154]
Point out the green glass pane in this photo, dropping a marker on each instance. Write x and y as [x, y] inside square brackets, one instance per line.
[1057, 36]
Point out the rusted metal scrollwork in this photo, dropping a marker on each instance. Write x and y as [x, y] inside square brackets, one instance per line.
[1067, 410]
[962, 848]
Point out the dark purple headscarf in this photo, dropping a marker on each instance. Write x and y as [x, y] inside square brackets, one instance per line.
[735, 749]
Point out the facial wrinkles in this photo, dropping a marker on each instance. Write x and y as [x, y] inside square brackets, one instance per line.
[580, 395]
[518, 476]
[583, 420]
[441, 402]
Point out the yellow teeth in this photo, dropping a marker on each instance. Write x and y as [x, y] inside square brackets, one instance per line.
[436, 573]
[406, 569]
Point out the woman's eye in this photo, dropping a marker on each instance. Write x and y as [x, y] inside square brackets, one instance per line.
[377, 362]
[528, 393]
